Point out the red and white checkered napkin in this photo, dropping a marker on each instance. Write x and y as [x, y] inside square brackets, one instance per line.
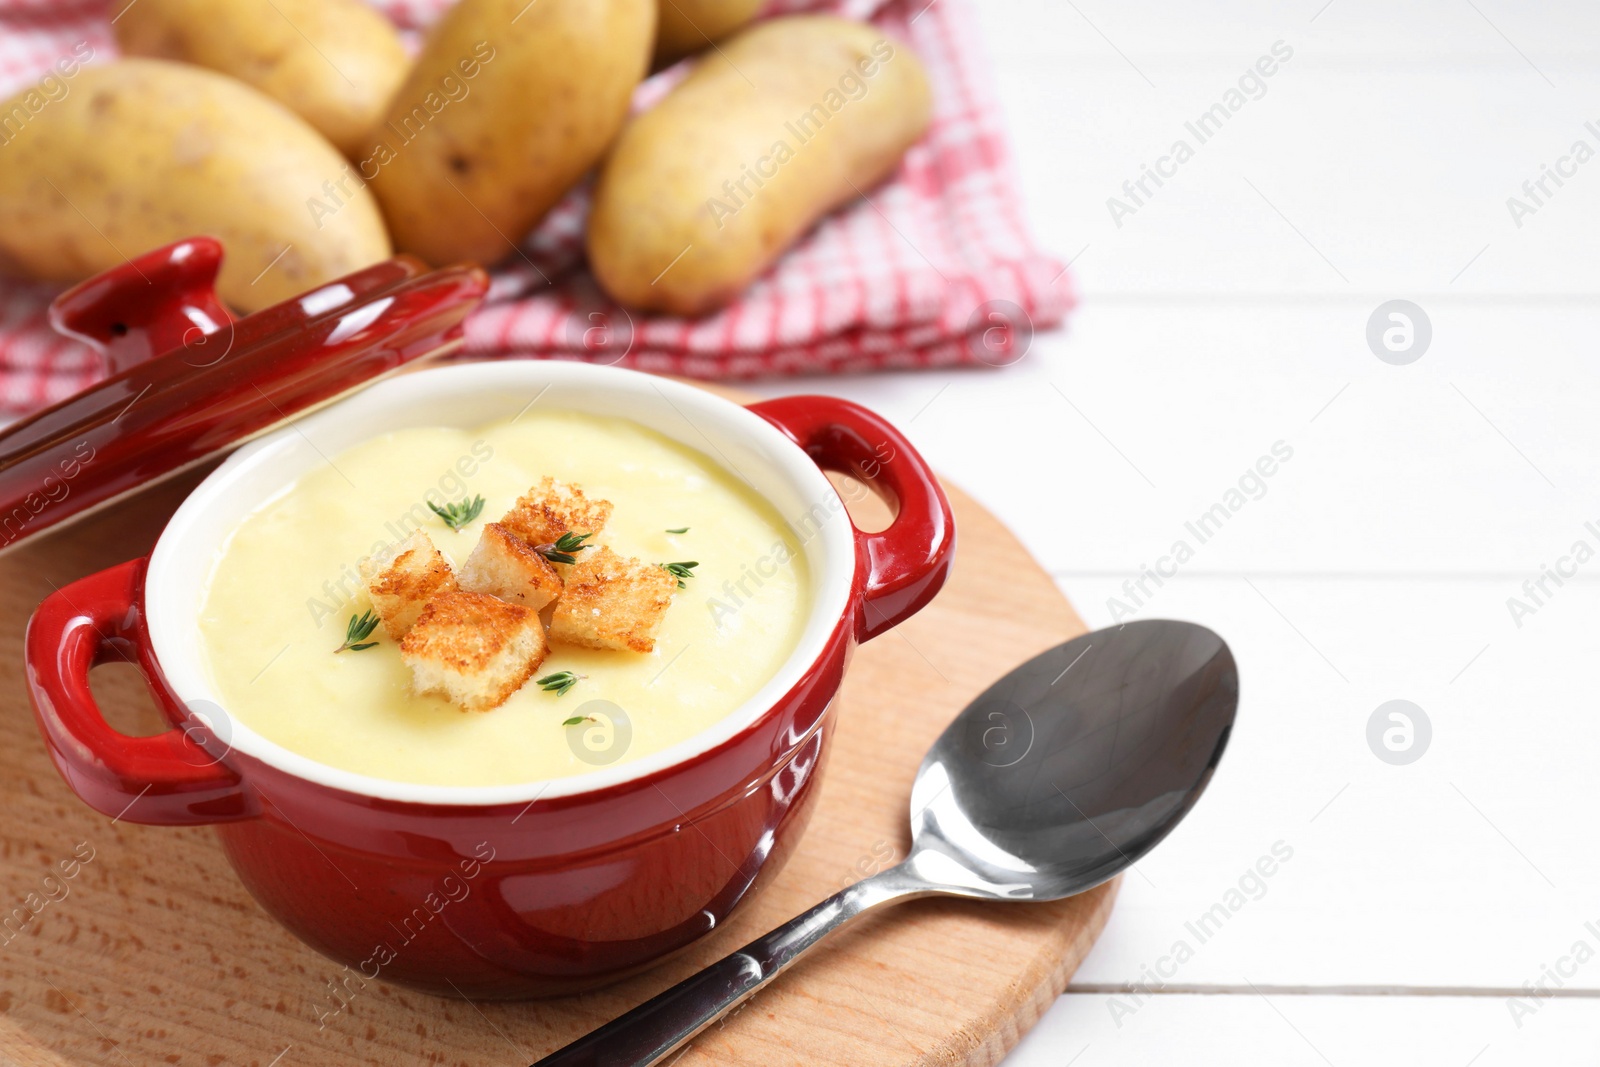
[910, 276]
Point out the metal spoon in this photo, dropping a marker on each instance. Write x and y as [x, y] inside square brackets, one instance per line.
[1056, 779]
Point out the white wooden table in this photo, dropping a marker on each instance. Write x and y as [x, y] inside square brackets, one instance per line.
[1229, 312]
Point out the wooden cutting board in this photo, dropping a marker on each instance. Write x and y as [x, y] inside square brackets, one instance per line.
[153, 953]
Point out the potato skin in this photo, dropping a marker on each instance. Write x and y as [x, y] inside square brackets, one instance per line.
[466, 163]
[335, 63]
[705, 190]
[685, 26]
[141, 152]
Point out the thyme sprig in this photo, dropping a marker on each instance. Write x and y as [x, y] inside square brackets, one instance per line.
[357, 632]
[558, 683]
[563, 548]
[680, 571]
[456, 516]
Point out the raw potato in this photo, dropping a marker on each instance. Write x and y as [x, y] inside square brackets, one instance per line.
[509, 104]
[686, 26]
[705, 190]
[140, 153]
[335, 63]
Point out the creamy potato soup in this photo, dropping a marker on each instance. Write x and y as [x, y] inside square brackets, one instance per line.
[287, 582]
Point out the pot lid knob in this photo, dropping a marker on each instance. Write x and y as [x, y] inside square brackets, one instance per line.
[151, 305]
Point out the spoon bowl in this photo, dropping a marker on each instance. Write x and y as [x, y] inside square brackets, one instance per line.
[1075, 764]
[1057, 778]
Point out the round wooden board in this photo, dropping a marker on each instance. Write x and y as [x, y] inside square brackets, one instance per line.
[153, 953]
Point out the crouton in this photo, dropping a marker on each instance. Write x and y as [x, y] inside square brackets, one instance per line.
[402, 582]
[552, 508]
[611, 601]
[474, 649]
[502, 565]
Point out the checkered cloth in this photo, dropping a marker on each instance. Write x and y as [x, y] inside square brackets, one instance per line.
[916, 274]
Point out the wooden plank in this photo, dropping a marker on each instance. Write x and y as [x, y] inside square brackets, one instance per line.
[1433, 468]
[1309, 1031]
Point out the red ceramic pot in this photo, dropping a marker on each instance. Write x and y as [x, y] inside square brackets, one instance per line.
[502, 891]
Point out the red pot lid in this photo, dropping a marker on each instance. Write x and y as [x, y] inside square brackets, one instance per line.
[188, 381]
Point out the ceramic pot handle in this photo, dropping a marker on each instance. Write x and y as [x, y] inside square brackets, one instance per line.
[161, 301]
[899, 569]
[173, 778]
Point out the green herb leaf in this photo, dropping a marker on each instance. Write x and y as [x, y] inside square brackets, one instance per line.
[562, 548]
[680, 571]
[576, 719]
[681, 529]
[359, 629]
[456, 516]
[558, 683]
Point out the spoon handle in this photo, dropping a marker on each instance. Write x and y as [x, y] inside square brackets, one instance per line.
[668, 1021]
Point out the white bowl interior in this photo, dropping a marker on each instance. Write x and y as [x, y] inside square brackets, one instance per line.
[465, 396]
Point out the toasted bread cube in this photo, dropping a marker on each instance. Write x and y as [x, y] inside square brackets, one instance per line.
[552, 508]
[611, 601]
[474, 649]
[402, 583]
[503, 565]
